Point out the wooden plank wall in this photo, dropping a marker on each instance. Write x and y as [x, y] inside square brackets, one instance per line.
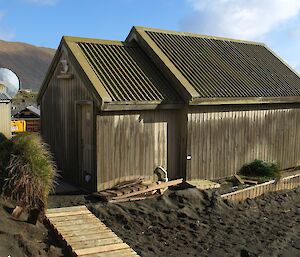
[5, 118]
[131, 145]
[221, 141]
[58, 120]
[33, 125]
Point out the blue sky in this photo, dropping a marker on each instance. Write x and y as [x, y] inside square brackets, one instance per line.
[43, 22]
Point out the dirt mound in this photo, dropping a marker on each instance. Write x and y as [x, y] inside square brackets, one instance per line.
[193, 223]
[21, 239]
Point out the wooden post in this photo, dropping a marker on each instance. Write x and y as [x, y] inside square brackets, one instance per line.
[17, 211]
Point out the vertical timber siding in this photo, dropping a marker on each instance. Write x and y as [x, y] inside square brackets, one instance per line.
[220, 142]
[5, 113]
[131, 145]
[58, 120]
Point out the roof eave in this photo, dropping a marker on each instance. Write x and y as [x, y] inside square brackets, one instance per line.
[140, 106]
[196, 35]
[80, 63]
[283, 61]
[88, 72]
[49, 73]
[244, 100]
[91, 40]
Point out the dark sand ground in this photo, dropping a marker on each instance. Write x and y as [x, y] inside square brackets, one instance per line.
[180, 223]
[193, 223]
[21, 239]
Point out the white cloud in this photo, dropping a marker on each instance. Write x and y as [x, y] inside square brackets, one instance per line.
[250, 19]
[42, 2]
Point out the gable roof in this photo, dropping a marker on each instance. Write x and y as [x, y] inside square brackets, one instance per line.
[32, 109]
[160, 69]
[120, 73]
[213, 68]
[126, 72]
[4, 97]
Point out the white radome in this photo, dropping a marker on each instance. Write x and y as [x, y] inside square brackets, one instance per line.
[10, 80]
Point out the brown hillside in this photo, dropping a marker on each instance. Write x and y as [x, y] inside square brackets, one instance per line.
[29, 62]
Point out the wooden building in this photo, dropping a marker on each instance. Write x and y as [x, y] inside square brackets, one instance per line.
[5, 112]
[108, 113]
[198, 106]
[31, 115]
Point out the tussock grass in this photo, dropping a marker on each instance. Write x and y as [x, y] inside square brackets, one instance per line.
[5, 152]
[261, 169]
[31, 172]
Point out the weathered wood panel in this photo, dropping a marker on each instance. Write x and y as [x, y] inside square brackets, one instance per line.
[131, 145]
[221, 141]
[85, 129]
[58, 119]
[33, 125]
[5, 118]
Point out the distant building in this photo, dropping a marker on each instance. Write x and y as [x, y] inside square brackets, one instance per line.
[26, 90]
[198, 106]
[31, 115]
[5, 112]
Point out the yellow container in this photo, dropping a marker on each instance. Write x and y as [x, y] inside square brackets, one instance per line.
[18, 126]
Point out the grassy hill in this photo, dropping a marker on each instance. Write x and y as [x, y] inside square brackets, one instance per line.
[29, 62]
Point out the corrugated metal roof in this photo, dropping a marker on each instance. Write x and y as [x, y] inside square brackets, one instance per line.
[126, 72]
[34, 109]
[221, 68]
[4, 97]
[20, 113]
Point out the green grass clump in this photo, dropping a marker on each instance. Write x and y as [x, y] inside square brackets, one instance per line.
[262, 169]
[31, 172]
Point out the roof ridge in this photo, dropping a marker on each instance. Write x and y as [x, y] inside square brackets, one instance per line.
[99, 41]
[222, 68]
[92, 40]
[174, 32]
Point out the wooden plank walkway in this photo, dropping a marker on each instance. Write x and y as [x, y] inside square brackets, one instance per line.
[84, 234]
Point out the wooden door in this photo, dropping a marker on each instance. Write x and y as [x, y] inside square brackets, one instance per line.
[85, 145]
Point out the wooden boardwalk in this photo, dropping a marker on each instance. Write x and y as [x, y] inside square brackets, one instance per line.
[84, 234]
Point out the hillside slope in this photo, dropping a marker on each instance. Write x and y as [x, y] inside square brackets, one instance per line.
[29, 62]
